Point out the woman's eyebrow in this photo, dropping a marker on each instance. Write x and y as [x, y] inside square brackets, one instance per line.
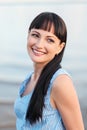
[35, 32]
[50, 36]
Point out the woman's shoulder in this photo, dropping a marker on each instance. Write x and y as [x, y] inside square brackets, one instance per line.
[60, 72]
[63, 84]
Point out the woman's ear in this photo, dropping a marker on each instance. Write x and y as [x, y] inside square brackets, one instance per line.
[61, 46]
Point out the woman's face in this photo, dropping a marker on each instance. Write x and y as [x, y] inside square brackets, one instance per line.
[42, 45]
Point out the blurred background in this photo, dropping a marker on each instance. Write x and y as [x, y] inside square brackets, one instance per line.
[15, 64]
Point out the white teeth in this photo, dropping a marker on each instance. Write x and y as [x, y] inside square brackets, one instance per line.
[38, 52]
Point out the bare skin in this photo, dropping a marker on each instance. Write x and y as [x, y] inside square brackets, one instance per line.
[64, 98]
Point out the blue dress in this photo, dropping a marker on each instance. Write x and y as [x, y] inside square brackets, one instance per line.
[51, 119]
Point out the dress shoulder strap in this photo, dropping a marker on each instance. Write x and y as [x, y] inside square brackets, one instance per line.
[56, 74]
[59, 72]
[23, 84]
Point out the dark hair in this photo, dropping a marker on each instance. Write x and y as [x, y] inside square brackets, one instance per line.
[45, 21]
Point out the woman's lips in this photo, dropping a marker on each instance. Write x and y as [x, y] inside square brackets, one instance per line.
[38, 52]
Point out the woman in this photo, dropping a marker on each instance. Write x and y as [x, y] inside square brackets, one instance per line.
[47, 99]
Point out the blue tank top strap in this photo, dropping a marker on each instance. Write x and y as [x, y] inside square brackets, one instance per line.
[56, 74]
[23, 84]
[59, 72]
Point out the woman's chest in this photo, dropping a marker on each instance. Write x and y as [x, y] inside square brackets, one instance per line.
[21, 105]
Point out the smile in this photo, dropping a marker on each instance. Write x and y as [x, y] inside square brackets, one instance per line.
[38, 53]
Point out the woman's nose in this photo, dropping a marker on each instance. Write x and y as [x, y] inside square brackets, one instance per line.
[40, 43]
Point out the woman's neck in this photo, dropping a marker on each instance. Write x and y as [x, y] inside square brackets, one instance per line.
[37, 71]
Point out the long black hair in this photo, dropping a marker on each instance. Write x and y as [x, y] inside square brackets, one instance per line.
[45, 21]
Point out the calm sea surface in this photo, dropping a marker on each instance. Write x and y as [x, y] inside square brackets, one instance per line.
[14, 61]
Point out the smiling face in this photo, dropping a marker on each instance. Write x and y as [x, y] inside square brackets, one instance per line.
[42, 45]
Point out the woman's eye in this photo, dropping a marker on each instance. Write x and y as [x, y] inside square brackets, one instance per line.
[34, 35]
[50, 40]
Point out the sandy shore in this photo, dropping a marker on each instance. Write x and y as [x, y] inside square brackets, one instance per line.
[7, 116]
[83, 105]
